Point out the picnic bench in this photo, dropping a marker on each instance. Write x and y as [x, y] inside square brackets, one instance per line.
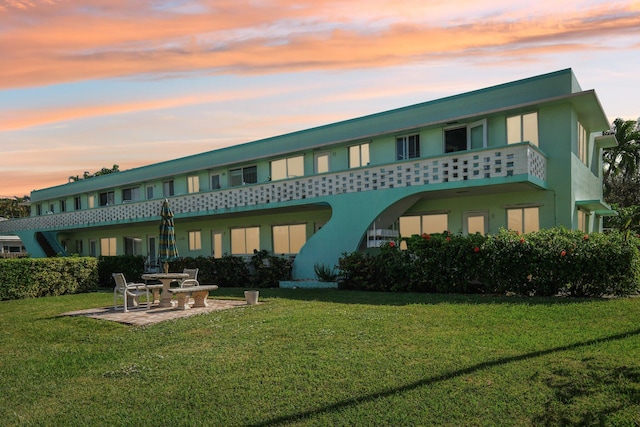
[198, 293]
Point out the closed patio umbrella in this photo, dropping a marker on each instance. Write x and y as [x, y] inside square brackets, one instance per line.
[167, 251]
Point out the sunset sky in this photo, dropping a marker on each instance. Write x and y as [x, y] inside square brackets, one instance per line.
[89, 84]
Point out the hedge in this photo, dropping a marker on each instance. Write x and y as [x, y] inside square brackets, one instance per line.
[38, 277]
[544, 263]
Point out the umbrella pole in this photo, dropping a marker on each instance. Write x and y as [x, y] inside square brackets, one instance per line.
[166, 267]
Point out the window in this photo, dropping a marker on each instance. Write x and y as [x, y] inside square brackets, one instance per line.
[92, 201]
[63, 205]
[149, 192]
[583, 143]
[524, 220]
[523, 128]
[245, 240]
[419, 224]
[195, 240]
[52, 208]
[39, 209]
[131, 194]
[475, 222]
[79, 247]
[287, 168]
[151, 250]
[108, 246]
[133, 246]
[106, 199]
[93, 248]
[167, 188]
[407, 147]
[321, 162]
[466, 137]
[288, 239]
[216, 238]
[193, 184]
[359, 155]
[583, 220]
[215, 182]
[78, 203]
[242, 176]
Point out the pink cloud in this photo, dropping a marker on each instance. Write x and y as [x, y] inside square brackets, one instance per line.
[244, 38]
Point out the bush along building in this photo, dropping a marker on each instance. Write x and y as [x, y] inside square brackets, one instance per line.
[524, 155]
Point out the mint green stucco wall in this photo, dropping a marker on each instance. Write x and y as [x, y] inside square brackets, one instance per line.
[346, 217]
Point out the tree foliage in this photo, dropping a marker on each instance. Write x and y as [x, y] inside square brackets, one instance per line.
[14, 207]
[621, 178]
[87, 175]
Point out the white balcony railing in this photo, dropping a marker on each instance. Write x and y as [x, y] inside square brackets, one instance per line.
[512, 160]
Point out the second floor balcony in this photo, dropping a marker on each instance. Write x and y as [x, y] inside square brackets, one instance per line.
[519, 163]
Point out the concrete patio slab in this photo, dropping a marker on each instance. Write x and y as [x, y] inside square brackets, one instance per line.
[142, 316]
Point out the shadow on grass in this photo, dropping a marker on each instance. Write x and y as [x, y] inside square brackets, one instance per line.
[398, 298]
[443, 377]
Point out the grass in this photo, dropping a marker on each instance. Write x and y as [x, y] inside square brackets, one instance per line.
[326, 357]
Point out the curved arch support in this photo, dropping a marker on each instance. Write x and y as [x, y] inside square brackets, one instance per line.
[351, 217]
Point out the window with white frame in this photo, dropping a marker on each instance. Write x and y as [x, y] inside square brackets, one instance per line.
[107, 198]
[321, 161]
[465, 137]
[583, 143]
[193, 184]
[407, 147]
[108, 246]
[167, 188]
[523, 220]
[241, 176]
[288, 239]
[131, 194]
[195, 240]
[133, 245]
[359, 155]
[290, 167]
[420, 224]
[245, 240]
[523, 127]
[215, 181]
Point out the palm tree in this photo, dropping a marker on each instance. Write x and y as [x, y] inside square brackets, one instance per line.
[622, 162]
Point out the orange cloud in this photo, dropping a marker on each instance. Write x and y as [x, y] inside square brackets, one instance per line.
[241, 37]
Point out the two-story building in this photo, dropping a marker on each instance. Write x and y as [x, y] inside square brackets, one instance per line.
[523, 155]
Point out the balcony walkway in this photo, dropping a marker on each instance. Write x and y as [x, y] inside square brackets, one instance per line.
[143, 317]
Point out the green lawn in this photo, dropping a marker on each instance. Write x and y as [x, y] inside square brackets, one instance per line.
[326, 357]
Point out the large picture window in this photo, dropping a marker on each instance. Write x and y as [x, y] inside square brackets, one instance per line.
[245, 240]
[133, 246]
[419, 224]
[131, 194]
[359, 155]
[287, 168]
[241, 176]
[107, 198]
[466, 137]
[108, 246]
[407, 147]
[288, 239]
[523, 220]
[523, 127]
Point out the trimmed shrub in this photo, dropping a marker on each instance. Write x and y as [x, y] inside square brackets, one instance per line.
[544, 263]
[132, 266]
[38, 277]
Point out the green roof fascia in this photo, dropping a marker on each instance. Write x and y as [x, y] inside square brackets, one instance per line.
[521, 93]
[597, 206]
